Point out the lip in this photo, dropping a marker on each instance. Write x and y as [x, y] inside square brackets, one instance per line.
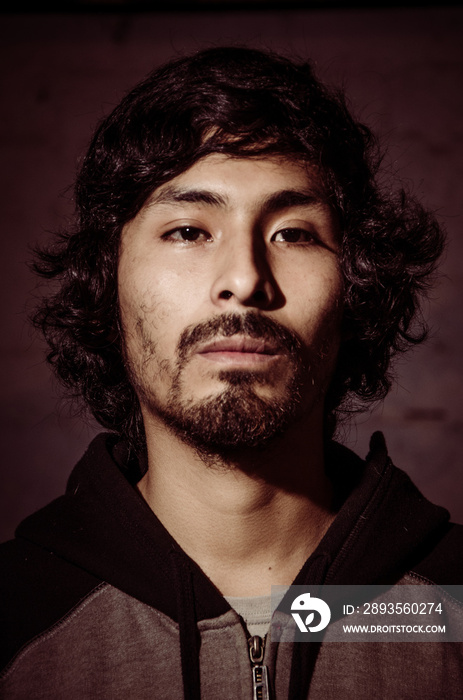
[239, 350]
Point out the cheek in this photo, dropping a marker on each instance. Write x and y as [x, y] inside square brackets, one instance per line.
[317, 299]
[155, 306]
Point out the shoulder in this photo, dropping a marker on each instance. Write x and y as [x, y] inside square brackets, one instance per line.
[443, 561]
[37, 588]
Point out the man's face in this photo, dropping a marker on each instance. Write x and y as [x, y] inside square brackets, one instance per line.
[230, 297]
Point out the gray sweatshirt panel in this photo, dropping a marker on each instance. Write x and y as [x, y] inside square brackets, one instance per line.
[114, 647]
[388, 671]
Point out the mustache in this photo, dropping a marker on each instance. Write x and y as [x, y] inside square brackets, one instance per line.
[251, 324]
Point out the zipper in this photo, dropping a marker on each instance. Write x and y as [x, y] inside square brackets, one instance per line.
[260, 684]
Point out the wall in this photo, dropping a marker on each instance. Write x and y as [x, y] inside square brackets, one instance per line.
[403, 70]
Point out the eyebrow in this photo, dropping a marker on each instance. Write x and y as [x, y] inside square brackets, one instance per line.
[275, 202]
[176, 195]
[290, 198]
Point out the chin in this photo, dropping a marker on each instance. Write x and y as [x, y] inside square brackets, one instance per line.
[237, 418]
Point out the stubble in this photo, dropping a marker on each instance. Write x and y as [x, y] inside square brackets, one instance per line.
[237, 417]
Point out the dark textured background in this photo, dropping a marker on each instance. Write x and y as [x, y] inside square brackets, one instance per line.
[403, 70]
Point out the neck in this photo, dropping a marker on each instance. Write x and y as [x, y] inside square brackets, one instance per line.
[249, 519]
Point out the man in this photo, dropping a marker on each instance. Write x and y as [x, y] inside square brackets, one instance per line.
[235, 281]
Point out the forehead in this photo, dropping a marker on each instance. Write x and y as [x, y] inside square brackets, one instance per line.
[221, 178]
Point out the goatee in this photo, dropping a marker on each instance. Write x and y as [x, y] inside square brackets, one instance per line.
[237, 417]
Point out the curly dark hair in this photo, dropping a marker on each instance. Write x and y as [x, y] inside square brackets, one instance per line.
[242, 102]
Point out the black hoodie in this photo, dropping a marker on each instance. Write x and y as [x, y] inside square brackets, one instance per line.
[98, 600]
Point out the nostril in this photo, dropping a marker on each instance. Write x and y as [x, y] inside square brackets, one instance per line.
[259, 296]
[225, 294]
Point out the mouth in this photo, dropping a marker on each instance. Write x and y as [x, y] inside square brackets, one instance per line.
[240, 350]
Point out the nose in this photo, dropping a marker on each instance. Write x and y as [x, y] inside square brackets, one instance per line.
[243, 274]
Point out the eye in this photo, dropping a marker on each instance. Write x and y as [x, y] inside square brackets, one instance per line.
[186, 234]
[293, 235]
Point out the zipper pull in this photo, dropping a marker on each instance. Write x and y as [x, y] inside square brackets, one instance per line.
[260, 685]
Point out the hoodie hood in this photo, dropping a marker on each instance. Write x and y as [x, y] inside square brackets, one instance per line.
[103, 526]
[383, 506]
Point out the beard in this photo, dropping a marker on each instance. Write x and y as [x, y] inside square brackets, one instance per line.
[238, 417]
